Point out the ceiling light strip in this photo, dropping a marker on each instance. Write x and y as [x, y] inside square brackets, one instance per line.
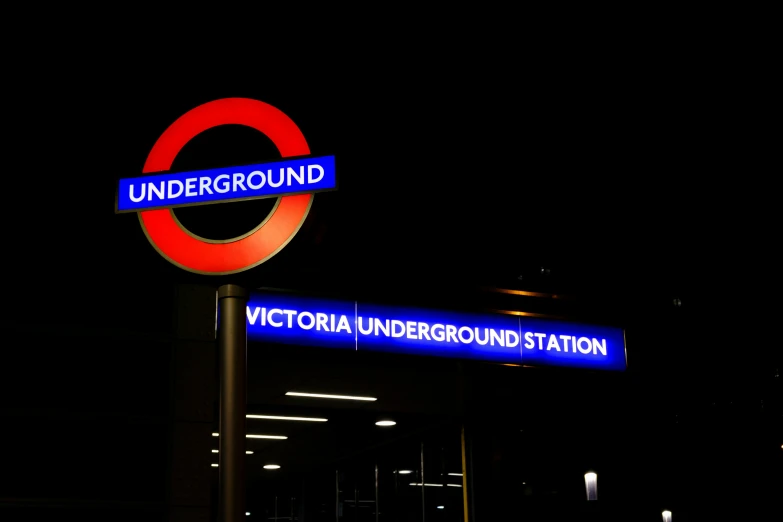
[280, 417]
[254, 436]
[327, 396]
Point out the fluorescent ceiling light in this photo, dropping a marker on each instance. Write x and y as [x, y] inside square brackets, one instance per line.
[385, 423]
[247, 513]
[251, 436]
[247, 452]
[325, 396]
[441, 507]
[280, 417]
[455, 474]
[420, 484]
[271, 466]
[455, 485]
[214, 465]
[405, 472]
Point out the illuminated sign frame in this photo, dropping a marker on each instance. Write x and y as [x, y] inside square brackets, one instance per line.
[222, 257]
[493, 337]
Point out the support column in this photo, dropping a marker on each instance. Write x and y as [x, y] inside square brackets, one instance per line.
[232, 344]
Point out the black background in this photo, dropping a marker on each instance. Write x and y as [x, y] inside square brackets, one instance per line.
[633, 174]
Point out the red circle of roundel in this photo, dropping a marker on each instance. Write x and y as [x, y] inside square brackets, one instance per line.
[196, 255]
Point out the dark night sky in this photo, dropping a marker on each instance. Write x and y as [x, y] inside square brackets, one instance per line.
[614, 174]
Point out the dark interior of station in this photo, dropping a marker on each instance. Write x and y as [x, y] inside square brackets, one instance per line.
[499, 440]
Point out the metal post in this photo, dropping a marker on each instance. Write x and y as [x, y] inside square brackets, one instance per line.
[466, 474]
[232, 344]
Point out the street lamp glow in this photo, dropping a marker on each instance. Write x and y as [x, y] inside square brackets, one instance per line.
[385, 423]
[271, 466]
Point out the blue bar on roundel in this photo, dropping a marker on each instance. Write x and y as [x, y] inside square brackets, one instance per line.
[257, 181]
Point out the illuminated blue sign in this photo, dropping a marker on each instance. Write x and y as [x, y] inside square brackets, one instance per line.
[490, 337]
[264, 180]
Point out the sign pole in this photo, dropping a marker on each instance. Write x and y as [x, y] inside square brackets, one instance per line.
[232, 344]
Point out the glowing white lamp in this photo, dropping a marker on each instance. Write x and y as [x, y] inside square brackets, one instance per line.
[591, 486]
[667, 516]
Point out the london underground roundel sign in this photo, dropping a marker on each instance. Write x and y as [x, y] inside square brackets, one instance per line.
[292, 181]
